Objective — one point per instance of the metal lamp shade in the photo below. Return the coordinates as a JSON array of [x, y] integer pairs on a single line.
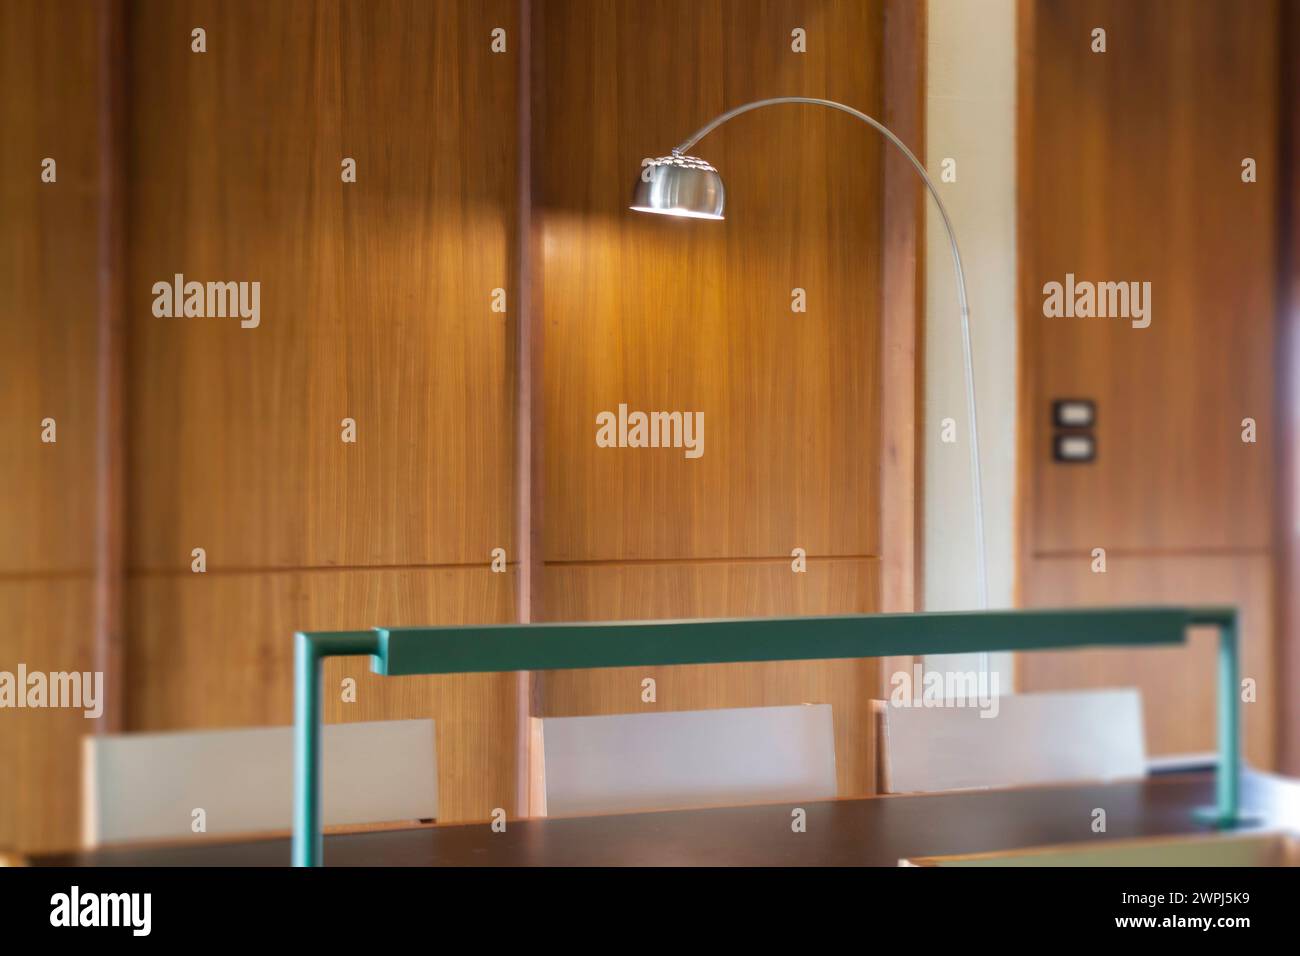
[[679, 186]]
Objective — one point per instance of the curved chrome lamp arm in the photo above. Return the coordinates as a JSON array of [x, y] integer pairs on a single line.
[[981, 572]]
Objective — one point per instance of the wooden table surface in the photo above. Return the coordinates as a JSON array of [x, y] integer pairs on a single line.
[[864, 832]]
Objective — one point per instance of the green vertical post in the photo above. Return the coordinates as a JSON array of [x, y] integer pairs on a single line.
[[1227, 782], [308, 652], [1226, 812], [307, 843]]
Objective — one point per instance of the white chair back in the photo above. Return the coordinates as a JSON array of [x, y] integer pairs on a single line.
[[1061, 737], [676, 759], [149, 786]]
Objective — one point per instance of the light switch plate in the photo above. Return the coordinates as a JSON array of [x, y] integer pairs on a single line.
[[1074, 413], [1074, 449]]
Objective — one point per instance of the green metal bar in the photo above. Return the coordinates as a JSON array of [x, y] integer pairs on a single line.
[[510, 647], [308, 652]]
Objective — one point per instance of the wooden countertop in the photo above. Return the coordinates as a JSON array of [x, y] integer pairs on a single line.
[[862, 832]]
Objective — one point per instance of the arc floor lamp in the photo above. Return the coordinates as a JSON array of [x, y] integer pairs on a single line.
[[684, 185], [681, 185]]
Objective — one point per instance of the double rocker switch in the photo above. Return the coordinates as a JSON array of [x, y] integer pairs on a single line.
[[1074, 419]]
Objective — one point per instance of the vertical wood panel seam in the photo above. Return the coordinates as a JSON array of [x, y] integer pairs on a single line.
[[110, 500], [528, 406], [1287, 525], [902, 229]]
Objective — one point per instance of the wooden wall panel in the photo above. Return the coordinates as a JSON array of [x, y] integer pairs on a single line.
[[664, 314], [217, 650], [49, 253], [1130, 170], [376, 295], [49, 59], [1133, 173]]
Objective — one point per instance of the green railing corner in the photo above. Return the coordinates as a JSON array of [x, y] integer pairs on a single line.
[[308, 652], [514, 647]]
